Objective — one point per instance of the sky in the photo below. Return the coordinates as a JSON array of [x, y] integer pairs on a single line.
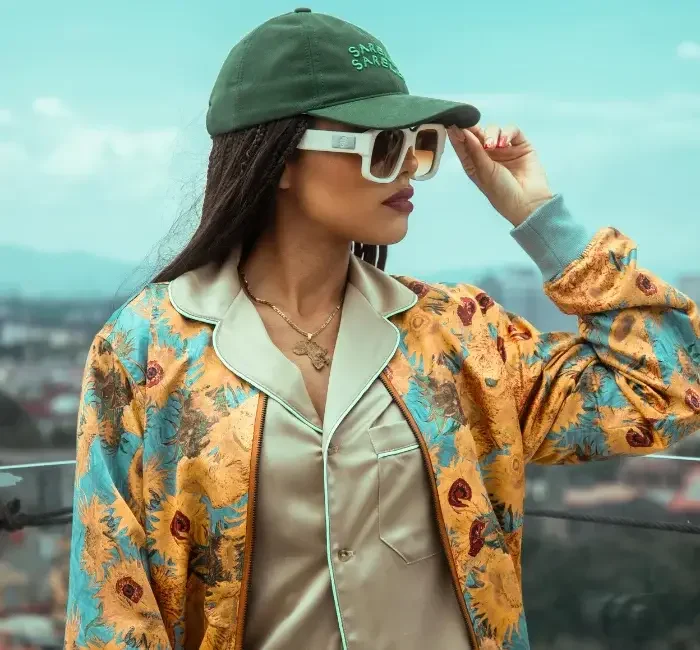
[[102, 107]]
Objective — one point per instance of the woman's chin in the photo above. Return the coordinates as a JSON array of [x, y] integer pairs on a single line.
[[392, 231]]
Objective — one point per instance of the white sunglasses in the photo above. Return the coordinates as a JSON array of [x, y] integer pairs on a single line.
[[383, 151]]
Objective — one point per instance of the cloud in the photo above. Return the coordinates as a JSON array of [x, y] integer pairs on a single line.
[[131, 162], [119, 162], [50, 107], [5, 116], [688, 50], [85, 151], [78, 151]]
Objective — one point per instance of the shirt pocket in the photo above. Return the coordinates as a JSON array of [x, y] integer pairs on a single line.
[[407, 522]]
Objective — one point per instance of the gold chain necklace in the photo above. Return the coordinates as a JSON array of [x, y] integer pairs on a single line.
[[307, 346]]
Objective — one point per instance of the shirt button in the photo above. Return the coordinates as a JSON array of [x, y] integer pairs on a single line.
[[333, 449], [344, 555]]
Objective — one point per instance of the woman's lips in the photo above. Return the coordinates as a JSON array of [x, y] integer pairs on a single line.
[[401, 200]]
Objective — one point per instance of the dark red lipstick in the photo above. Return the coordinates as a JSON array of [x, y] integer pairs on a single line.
[[401, 201]]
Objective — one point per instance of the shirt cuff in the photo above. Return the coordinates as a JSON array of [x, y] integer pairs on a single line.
[[552, 237]]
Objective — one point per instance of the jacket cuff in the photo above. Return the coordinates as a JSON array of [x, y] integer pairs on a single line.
[[552, 237]]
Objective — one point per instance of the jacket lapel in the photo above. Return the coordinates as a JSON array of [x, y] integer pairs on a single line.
[[240, 339], [366, 339]]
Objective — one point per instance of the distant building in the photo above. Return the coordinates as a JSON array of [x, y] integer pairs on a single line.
[[43, 349], [689, 284], [56, 337]]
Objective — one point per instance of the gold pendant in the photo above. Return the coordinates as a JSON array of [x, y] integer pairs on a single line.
[[317, 354]]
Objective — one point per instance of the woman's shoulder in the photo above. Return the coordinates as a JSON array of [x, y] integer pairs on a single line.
[[446, 293], [138, 312], [129, 330]]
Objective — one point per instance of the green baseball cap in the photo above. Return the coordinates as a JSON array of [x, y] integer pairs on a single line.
[[313, 64]]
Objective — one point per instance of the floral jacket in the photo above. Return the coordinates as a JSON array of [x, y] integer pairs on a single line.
[[169, 437]]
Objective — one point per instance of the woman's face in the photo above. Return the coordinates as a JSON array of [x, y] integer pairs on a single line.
[[328, 189]]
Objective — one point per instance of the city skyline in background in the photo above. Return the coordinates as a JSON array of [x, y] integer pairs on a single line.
[[103, 145]]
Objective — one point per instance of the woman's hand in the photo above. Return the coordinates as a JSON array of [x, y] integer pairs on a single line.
[[505, 167]]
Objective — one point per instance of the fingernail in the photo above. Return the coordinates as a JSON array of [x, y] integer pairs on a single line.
[[503, 141], [489, 143], [457, 133]]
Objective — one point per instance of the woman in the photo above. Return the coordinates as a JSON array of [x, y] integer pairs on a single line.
[[281, 446]]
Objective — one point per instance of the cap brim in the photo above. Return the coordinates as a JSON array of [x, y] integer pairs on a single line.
[[399, 111]]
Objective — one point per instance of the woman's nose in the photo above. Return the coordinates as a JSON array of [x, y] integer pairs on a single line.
[[410, 163]]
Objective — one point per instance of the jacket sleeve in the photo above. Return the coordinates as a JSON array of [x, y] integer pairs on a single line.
[[629, 382], [110, 600]]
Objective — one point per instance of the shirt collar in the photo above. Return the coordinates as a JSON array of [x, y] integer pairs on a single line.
[[206, 293]]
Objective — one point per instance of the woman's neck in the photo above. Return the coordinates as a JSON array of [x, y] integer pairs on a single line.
[[299, 270]]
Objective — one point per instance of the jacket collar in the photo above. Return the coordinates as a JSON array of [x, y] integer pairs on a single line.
[[366, 339], [206, 293]]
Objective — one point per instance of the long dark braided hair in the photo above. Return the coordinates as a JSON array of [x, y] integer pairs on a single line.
[[239, 198]]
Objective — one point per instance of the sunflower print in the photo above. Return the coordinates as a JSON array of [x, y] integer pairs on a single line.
[[98, 543], [496, 599], [176, 524], [88, 430], [161, 373], [423, 327], [131, 602], [165, 442]]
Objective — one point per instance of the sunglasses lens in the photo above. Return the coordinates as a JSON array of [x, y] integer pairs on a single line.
[[386, 152], [426, 151]]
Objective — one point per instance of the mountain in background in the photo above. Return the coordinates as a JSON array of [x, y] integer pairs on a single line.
[[29, 273]]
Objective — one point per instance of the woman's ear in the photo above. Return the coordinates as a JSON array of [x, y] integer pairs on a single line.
[[286, 178]]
